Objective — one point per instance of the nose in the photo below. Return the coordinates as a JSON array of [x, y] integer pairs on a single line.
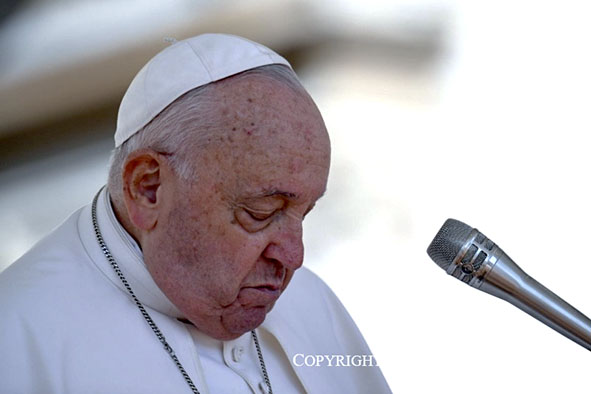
[[286, 245]]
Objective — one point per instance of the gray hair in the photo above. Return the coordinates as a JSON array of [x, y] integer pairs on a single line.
[[179, 128]]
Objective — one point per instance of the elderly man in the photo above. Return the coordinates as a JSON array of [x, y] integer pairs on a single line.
[[170, 281]]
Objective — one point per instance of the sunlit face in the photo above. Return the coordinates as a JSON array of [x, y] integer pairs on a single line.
[[227, 245]]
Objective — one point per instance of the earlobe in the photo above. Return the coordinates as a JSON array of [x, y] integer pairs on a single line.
[[141, 186]]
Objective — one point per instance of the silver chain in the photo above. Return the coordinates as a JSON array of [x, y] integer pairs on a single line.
[[262, 362], [148, 318]]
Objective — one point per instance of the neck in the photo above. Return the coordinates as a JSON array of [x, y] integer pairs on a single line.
[[123, 218]]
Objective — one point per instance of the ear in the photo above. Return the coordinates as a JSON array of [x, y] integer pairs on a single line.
[[142, 188]]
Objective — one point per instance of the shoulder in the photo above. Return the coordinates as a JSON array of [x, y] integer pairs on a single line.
[[305, 281], [308, 293], [45, 259], [310, 304], [51, 272], [309, 320]]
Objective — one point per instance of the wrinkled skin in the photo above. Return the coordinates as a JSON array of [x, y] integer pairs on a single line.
[[224, 247]]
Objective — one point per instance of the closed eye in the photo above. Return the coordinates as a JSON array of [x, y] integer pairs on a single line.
[[259, 215], [253, 220]]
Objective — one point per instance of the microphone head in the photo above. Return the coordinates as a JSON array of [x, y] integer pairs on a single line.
[[448, 242]]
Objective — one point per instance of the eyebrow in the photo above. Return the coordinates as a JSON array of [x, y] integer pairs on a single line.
[[275, 192], [286, 194]]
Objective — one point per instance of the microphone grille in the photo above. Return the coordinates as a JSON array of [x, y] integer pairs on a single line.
[[448, 242]]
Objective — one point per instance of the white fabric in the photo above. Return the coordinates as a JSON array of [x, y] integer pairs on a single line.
[[68, 326], [184, 66], [233, 366]]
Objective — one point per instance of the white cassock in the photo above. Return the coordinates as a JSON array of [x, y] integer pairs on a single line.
[[67, 325]]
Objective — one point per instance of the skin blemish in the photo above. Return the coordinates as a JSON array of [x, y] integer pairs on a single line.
[[295, 166], [233, 128], [308, 135], [250, 100]]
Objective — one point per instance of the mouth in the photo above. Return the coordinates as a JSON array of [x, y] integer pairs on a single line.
[[260, 295], [271, 290]]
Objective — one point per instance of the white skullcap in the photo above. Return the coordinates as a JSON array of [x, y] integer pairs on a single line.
[[181, 67]]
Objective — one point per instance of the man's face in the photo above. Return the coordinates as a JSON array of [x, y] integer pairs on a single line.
[[226, 245]]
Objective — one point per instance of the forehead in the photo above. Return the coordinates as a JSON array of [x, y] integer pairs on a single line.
[[261, 97], [268, 138]]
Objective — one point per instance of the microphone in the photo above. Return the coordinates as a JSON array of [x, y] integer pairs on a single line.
[[465, 253]]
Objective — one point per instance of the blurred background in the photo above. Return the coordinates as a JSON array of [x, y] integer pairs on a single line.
[[474, 110]]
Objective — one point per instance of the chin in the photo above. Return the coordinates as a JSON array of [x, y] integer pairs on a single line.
[[244, 321]]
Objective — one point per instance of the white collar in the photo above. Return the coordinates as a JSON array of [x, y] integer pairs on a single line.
[[126, 253]]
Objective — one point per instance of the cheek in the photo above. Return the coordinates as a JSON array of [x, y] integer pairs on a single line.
[[207, 247], [240, 252], [222, 253]]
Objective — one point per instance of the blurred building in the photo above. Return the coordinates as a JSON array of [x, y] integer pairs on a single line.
[[436, 109]]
